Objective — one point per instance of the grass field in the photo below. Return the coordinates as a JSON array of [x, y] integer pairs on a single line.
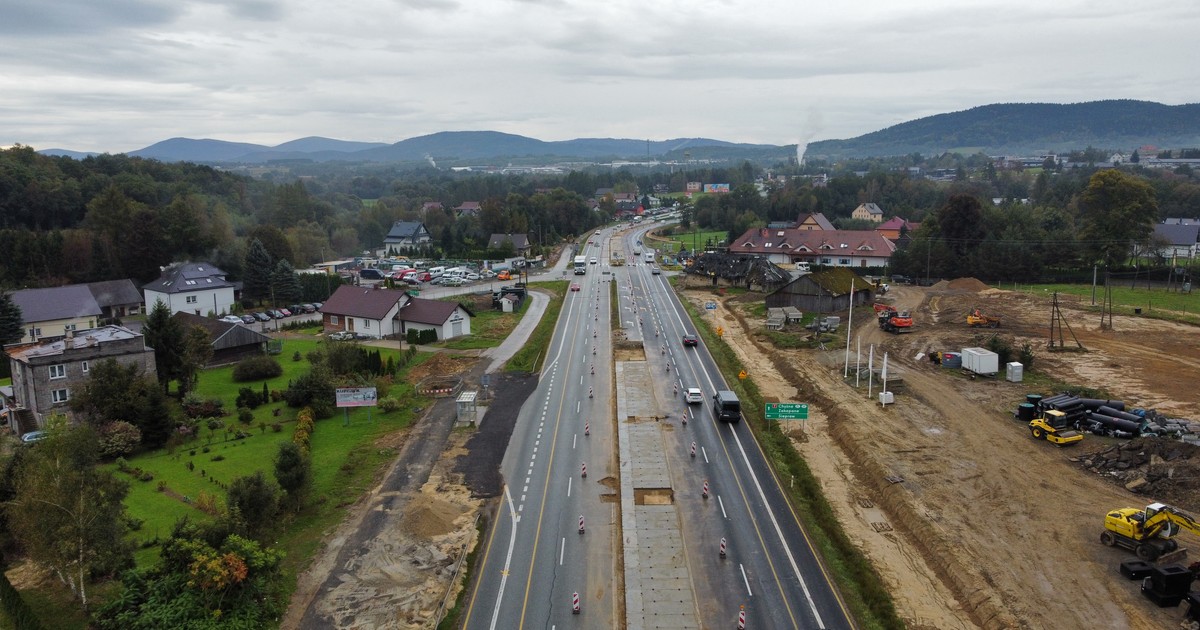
[[531, 356], [1155, 302], [488, 328], [342, 460]]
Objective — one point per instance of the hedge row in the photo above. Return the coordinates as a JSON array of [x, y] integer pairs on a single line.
[[302, 435]]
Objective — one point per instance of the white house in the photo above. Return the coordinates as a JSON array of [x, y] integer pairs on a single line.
[[196, 288], [837, 248], [382, 313], [449, 319]]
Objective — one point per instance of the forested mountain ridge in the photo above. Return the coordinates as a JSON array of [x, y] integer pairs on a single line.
[[1028, 128]]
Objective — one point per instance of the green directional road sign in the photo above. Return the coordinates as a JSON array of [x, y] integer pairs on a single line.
[[787, 411]]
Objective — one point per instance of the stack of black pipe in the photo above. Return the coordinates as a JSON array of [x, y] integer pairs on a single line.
[[1072, 407]]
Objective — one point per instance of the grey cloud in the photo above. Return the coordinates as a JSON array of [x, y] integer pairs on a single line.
[[259, 10], [430, 5], [35, 18]]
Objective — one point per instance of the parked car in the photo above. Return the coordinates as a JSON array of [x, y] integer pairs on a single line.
[[231, 319], [691, 340], [276, 313], [452, 281], [308, 308], [471, 277], [261, 316], [341, 335], [318, 305], [287, 312], [33, 436], [487, 273], [248, 319]]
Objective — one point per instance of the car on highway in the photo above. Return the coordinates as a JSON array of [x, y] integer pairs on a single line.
[[693, 396], [691, 340], [655, 270], [231, 319], [594, 261], [574, 286]]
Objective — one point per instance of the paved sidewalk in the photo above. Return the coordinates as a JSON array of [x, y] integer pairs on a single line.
[[520, 335]]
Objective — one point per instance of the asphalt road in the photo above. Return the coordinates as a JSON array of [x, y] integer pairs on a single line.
[[770, 566], [535, 558]]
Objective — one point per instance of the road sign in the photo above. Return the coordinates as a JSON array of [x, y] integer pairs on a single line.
[[720, 331], [742, 375], [787, 411], [711, 306]]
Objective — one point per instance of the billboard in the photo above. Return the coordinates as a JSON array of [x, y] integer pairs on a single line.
[[356, 397], [716, 188]]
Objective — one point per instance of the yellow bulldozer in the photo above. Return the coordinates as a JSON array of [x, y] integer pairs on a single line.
[[978, 319], [1149, 533], [1053, 427]]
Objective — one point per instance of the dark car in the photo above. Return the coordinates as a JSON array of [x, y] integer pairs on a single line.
[[691, 340], [318, 305], [274, 313], [248, 319], [308, 308], [261, 316]]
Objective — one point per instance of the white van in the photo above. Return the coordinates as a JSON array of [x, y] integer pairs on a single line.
[[436, 272]]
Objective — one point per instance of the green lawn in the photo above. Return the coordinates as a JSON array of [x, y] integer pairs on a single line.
[[531, 356], [342, 457], [688, 238], [488, 328]]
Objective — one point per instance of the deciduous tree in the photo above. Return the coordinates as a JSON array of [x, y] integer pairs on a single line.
[[165, 335], [1115, 210]]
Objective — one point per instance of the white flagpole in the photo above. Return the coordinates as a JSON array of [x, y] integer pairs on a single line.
[[858, 363], [871, 372], [883, 375], [849, 325]]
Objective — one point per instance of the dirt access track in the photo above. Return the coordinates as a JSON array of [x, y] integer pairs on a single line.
[[979, 525]]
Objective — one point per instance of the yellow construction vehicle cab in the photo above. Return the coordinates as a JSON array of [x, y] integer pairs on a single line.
[[1054, 428], [977, 318], [1150, 532]]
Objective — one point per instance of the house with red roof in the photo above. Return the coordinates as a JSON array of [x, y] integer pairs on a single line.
[[836, 248], [891, 228], [384, 313]]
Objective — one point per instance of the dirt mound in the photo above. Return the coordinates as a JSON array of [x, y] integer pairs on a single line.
[[960, 284], [428, 516], [1164, 469], [440, 365]]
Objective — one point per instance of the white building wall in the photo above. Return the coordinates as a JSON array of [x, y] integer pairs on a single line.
[[201, 302]]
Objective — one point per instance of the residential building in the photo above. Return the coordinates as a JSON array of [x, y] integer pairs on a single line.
[[1177, 240], [827, 291], [381, 313], [869, 211], [837, 248], [46, 373], [449, 319], [891, 228], [406, 235], [57, 311], [116, 298], [693, 187], [467, 208], [197, 288], [230, 342], [519, 242], [814, 221], [431, 206], [370, 312]]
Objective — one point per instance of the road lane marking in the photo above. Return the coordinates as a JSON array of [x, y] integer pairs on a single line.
[[512, 539], [562, 548], [573, 438], [747, 582], [569, 480], [722, 507], [704, 453]]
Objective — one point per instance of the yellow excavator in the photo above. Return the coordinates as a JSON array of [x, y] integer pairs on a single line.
[[1149, 533]]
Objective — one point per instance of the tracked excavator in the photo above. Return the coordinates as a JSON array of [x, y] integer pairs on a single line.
[[1149, 533], [893, 321]]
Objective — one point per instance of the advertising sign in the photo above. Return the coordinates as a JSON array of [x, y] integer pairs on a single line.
[[356, 397], [716, 188]]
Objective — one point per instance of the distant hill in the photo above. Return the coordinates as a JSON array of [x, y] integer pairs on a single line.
[[76, 155], [1027, 128], [189, 150]]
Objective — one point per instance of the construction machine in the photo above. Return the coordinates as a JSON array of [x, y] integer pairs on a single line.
[[1054, 427], [977, 319], [893, 321], [1149, 533]]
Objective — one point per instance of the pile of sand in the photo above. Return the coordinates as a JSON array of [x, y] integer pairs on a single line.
[[960, 284], [428, 516], [440, 365]]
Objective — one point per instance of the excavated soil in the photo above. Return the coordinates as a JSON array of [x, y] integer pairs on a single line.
[[970, 521]]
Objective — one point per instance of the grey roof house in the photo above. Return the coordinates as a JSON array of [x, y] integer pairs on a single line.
[[117, 298], [197, 288], [1177, 240], [520, 242], [406, 235], [55, 311]]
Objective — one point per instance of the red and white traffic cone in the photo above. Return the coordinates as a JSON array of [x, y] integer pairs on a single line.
[[741, 618], [590, 393], [587, 428], [722, 547], [674, 390], [581, 531], [693, 449], [575, 604], [685, 418], [705, 494], [583, 470]]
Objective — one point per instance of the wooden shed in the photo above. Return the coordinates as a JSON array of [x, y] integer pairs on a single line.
[[230, 342], [827, 291]]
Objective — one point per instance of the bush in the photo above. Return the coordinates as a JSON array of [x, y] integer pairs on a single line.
[[1026, 355], [277, 427], [196, 407], [256, 368], [412, 336], [218, 458], [245, 416], [248, 399], [119, 438], [387, 405], [296, 356]]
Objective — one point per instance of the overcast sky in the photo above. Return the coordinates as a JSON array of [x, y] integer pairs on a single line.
[[118, 75]]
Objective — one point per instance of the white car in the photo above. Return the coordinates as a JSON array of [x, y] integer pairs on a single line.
[[594, 261], [471, 277], [693, 396], [231, 319]]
